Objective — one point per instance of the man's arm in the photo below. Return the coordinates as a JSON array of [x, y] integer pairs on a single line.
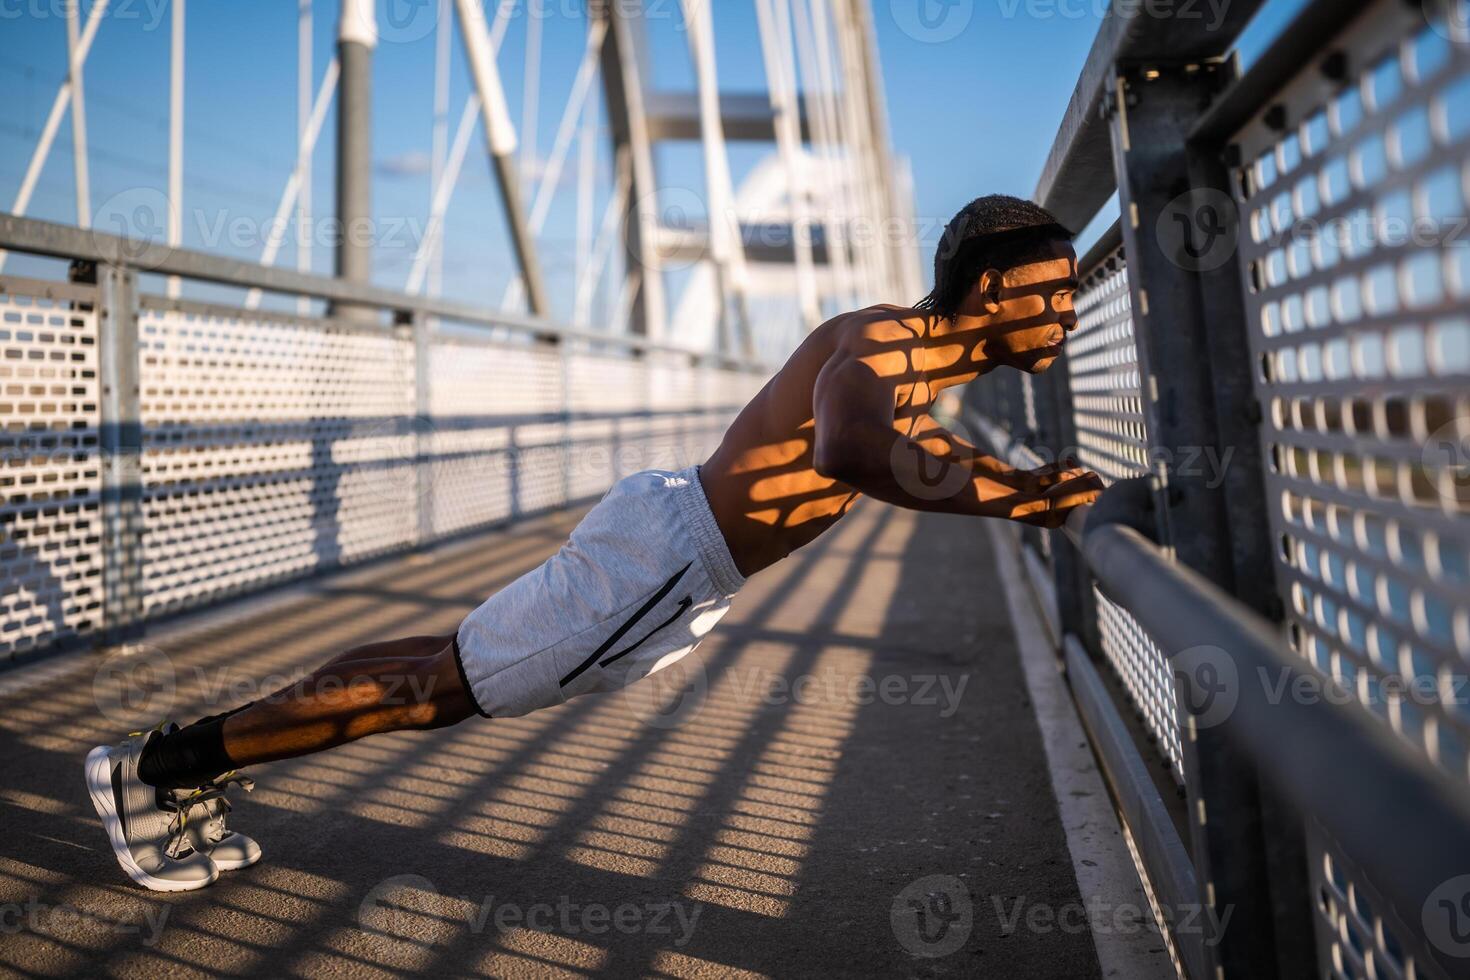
[[951, 446], [857, 444]]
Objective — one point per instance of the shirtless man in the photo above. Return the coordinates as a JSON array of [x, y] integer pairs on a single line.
[[652, 568]]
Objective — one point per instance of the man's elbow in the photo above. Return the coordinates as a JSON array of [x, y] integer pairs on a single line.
[[844, 462]]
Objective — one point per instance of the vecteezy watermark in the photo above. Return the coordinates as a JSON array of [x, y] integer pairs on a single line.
[[932, 21], [1201, 229], [403, 458], [933, 917], [1446, 917], [139, 683], [76, 924], [1097, 916], [1210, 13], [1213, 684], [132, 228], [150, 12], [410, 905], [832, 687]]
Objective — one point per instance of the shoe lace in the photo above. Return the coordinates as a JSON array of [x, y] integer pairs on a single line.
[[211, 796]]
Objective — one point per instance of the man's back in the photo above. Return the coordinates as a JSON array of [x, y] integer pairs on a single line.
[[763, 483]]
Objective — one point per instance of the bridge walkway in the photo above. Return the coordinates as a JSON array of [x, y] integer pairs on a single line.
[[859, 722]]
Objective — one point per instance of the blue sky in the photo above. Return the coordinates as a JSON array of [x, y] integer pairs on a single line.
[[974, 92]]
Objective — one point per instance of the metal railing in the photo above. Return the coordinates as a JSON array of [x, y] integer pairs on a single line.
[[160, 454], [1273, 356]]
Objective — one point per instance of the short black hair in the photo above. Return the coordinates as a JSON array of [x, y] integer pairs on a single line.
[[994, 232]]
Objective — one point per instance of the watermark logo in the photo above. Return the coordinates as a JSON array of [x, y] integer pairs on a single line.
[[1450, 19], [396, 906], [1212, 684], [403, 473], [933, 917], [683, 225], [1446, 458], [932, 21], [406, 21], [134, 683], [1446, 917], [131, 228], [922, 474], [1198, 231], [671, 696]]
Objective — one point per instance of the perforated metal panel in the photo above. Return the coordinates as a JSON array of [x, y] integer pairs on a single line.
[[1363, 937], [1112, 439], [271, 448], [1357, 278], [50, 470], [1146, 674], [496, 430], [1363, 362], [1103, 361]]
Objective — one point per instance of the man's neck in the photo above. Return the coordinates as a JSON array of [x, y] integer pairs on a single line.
[[956, 350]]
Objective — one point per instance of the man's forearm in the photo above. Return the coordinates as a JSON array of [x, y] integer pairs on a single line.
[[901, 471]]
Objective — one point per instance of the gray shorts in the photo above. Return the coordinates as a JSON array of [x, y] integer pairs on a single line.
[[641, 581]]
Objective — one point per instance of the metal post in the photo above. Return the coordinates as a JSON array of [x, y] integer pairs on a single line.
[[500, 140], [356, 37], [176, 138], [304, 229], [1153, 111], [79, 112], [421, 327], [122, 446], [623, 87], [1222, 319], [1057, 430]]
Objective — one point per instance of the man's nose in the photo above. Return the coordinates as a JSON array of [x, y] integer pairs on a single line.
[[1068, 320]]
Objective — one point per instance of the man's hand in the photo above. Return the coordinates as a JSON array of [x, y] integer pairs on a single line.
[[1043, 478], [1045, 508]]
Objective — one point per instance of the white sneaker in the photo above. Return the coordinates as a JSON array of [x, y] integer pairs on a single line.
[[148, 835]]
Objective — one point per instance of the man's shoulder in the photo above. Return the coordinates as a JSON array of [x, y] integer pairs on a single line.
[[877, 324]]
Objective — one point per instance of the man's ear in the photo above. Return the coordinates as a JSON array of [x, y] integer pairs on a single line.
[[988, 287]]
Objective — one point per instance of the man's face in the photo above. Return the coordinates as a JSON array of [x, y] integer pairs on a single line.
[[1035, 316]]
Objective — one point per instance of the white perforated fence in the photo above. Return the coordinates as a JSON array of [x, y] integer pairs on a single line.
[[51, 477], [1112, 440], [276, 446], [1357, 276], [1102, 361]]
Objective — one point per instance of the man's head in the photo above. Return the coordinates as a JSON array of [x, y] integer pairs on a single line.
[[1011, 263]]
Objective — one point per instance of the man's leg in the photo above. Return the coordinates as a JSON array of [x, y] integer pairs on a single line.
[[160, 795], [408, 684]]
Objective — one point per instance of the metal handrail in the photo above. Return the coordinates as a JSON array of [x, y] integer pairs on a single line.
[[67, 242], [1078, 177], [1316, 751]]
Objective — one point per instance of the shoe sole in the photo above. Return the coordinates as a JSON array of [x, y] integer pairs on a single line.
[[233, 865], [99, 785]]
